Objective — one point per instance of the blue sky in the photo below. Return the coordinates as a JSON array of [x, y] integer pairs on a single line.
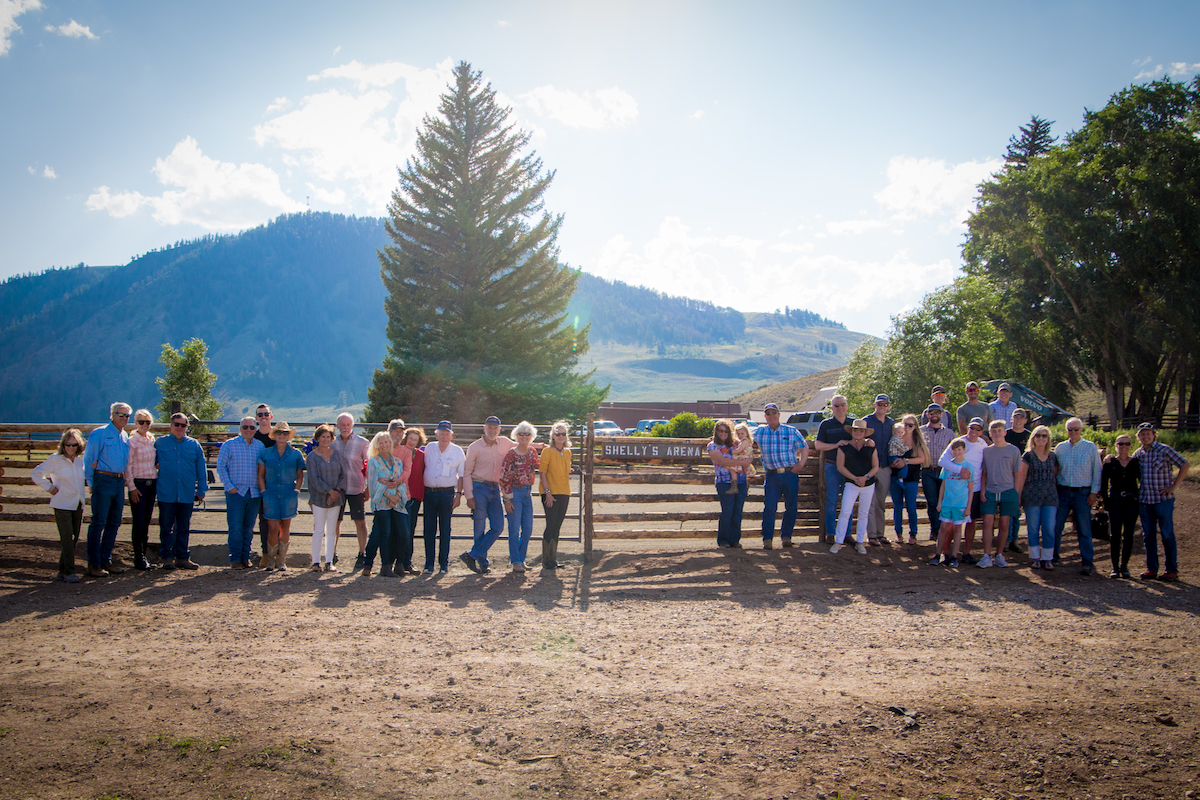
[[814, 155]]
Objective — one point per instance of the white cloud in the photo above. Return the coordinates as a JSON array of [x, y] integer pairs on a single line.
[[355, 135], [278, 104], [503, 23], [1143, 62], [1180, 68], [920, 187], [1154, 72], [334, 198], [9, 11], [337, 50], [698, 113], [49, 172], [212, 194], [73, 30], [603, 108], [1176, 69], [856, 226]]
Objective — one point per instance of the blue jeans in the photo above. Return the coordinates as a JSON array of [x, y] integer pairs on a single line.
[[904, 494], [240, 513], [834, 481], [1040, 524], [1074, 499], [389, 528], [413, 507], [1014, 526], [174, 529], [439, 505], [520, 524], [1156, 518], [108, 501], [780, 484], [489, 511], [931, 487], [729, 526]]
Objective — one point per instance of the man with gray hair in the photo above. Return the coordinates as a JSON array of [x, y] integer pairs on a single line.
[[237, 467], [833, 433], [1079, 471], [353, 449], [104, 462], [481, 483]]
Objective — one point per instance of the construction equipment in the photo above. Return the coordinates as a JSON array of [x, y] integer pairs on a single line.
[[1047, 412]]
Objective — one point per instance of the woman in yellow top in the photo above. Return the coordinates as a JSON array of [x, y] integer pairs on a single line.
[[554, 477]]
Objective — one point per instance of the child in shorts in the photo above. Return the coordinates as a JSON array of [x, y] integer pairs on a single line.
[[743, 449], [953, 501]]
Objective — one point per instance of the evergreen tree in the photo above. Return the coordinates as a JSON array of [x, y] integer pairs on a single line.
[[477, 298], [1035, 139]]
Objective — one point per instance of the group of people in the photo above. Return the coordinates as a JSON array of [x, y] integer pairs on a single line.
[[978, 476], [263, 474]]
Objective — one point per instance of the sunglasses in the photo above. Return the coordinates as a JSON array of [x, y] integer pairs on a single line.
[[560, 434], [1124, 444], [909, 425], [261, 414], [1041, 436], [179, 424], [70, 444], [119, 414], [249, 427], [519, 435], [1074, 430], [143, 422]]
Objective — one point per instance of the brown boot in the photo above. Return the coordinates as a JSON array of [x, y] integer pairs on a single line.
[[269, 559], [281, 556], [265, 563]]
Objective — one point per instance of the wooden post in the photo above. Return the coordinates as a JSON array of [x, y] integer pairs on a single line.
[[589, 460], [821, 498]]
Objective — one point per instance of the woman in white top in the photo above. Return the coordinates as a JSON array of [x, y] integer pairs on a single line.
[[62, 476]]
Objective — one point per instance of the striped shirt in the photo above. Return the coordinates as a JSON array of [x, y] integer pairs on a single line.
[[237, 465], [1079, 465], [778, 446], [1156, 471], [937, 440]]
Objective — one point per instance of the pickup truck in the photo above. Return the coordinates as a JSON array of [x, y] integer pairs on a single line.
[[645, 426], [606, 427], [807, 422]]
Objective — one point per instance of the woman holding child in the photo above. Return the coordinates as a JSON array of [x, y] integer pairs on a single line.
[[908, 454], [729, 473], [1037, 484]]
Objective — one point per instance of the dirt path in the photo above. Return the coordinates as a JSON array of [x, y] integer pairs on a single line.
[[654, 673]]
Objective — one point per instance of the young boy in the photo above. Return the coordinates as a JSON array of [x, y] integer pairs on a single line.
[[953, 499], [1018, 437], [998, 486]]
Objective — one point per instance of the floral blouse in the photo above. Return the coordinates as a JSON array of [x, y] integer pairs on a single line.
[[518, 470]]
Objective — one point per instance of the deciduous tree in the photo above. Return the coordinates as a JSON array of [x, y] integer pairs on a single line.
[[188, 381]]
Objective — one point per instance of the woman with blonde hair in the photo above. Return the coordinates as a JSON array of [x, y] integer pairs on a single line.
[[1037, 485], [62, 476], [908, 454], [280, 476], [389, 525], [554, 477], [141, 479]]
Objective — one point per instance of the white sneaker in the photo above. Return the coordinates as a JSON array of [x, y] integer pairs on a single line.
[[518, 567], [999, 560], [985, 562], [860, 549], [835, 548]]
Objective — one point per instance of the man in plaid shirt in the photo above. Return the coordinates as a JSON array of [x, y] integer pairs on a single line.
[[784, 453], [1157, 500]]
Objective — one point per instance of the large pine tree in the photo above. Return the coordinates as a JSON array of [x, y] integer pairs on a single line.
[[477, 297]]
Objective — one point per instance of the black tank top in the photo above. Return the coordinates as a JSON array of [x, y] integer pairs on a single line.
[[858, 462]]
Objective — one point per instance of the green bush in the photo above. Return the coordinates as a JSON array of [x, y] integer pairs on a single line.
[[686, 426]]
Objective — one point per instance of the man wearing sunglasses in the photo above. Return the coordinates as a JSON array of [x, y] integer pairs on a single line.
[[262, 433], [1157, 498], [1079, 472], [237, 467], [104, 462], [182, 481]]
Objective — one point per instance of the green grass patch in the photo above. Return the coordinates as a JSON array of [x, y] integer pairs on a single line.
[[185, 745], [555, 642]]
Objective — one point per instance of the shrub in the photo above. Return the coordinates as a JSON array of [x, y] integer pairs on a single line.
[[686, 426]]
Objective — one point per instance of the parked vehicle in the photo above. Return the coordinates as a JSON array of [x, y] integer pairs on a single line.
[[645, 426], [606, 427], [807, 422]]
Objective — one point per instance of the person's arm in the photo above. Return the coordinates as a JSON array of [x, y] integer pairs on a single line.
[[508, 475], [41, 476], [91, 455], [941, 495], [1022, 473], [1106, 479], [262, 476], [841, 465], [468, 490], [1095, 477], [223, 468], [201, 471], [300, 474], [946, 462], [874, 464], [983, 476], [801, 455]]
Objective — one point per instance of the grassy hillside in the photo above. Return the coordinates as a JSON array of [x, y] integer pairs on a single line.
[[790, 394]]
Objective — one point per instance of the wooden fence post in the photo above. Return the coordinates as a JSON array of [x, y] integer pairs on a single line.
[[589, 459]]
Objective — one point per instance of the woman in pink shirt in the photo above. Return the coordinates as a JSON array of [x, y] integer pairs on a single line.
[[141, 479]]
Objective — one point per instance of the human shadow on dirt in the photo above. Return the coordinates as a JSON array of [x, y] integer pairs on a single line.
[[806, 576]]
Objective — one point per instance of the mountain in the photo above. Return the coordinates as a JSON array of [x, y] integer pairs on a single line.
[[292, 312]]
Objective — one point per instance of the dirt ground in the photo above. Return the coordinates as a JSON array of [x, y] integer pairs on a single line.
[[663, 669]]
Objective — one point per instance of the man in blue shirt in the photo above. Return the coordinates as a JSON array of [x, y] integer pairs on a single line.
[[237, 467], [104, 462], [881, 434], [784, 453], [182, 480], [1078, 487]]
